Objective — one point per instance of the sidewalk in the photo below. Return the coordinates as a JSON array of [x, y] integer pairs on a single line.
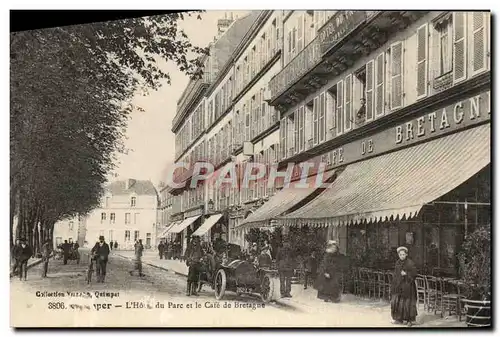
[[307, 298], [31, 263]]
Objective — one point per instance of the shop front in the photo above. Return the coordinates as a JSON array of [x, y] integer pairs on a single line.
[[422, 182]]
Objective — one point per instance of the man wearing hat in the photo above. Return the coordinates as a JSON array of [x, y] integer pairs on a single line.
[[46, 250], [23, 253], [286, 265], [101, 253], [194, 254]]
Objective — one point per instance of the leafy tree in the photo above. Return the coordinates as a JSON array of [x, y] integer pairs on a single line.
[[71, 89]]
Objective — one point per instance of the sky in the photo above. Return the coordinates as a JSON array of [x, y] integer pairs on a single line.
[[149, 138]]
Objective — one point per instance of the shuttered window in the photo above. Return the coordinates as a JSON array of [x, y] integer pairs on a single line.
[[479, 42], [422, 60], [459, 44], [340, 108], [300, 33], [369, 98], [322, 120], [247, 122], [379, 85], [301, 128], [283, 126], [296, 130], [396, 75], [348, 103], [330, 114], [315, 120]]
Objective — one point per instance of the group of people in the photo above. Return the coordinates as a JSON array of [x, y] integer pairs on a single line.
[[21, 252], [67, 248], [170, 250], [113, 245]]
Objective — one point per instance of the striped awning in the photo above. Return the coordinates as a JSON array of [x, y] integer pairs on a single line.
[[209, 222], [165, 231], [183, 225], [397, 184], [284, 200]]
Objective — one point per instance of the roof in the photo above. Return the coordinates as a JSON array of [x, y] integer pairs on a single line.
[[139, 187], [227, 42]]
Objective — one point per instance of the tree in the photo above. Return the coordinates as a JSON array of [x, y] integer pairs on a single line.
[[71, 89]]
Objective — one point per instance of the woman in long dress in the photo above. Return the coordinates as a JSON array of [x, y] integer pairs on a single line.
[[330, 273], [404, 293]]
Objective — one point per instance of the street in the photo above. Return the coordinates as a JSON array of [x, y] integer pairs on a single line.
[[158, 299]]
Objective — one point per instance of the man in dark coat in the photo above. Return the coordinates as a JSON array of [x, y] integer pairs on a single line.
[[101, 253], [24, 253], [161, 249], [15, 254], [403, 289], [66, 247], [286, 265], [116, 245], [330, 273], [193, 258], [111, 244], [46, 250], [310, 268], [265, 260]]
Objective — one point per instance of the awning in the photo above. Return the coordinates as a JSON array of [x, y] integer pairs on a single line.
[[164, 233], [209, 222], [397, 184], [183, 225], [283, 201]]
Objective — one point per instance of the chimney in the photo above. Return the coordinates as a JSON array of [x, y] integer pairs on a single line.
[[129, 183]]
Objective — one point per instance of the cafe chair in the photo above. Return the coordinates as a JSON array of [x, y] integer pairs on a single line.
[[421, 290], [433, 294], [451, 299], [388, 284]]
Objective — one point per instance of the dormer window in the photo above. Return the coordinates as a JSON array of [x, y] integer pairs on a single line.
[[132, 202]]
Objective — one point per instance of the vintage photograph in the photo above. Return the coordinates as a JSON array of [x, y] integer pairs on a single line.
[[260, 168]]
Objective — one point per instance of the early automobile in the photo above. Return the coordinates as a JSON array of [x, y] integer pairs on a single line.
[[243, 277]]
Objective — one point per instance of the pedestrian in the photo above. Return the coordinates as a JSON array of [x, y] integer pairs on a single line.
[[24, 253], [403, 290], [310, 269], [66, 247], [265, 259], [46, 250], [330, 273], [111, 244], [161, 249], [116, 245], [138, 251], [285, 262], [15, 256], [101, 251], [193, 258]]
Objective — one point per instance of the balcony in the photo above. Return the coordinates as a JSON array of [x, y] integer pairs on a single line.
[[295, 69], [342, 40], [190, 97]]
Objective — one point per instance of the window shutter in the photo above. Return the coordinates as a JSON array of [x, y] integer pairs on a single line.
[[479, 42], [316, 20], [396, 75], [348, 103], [315, 120], [322, 124], [330, 113], [459, 47], [301, 128], [369, 90], [282, 138], [300, 33], [308, 126], [340, 110], [422, 60], [296, 130]]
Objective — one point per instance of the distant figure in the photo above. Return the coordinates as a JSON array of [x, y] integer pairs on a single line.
[[285, 268], [111, 244], [161, 249], [265, 259], [116, 245], [101, 252], [330, 273], [46, 250], [139, 248], [66, 247], [15, 254], [310, 268], [24, 253]]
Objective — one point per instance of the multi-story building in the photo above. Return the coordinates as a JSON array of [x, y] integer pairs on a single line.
[[190, 124], [164, 211], [397, 106], [127, 213]]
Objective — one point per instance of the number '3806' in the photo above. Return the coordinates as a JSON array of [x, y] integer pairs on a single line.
[[56, 305]]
